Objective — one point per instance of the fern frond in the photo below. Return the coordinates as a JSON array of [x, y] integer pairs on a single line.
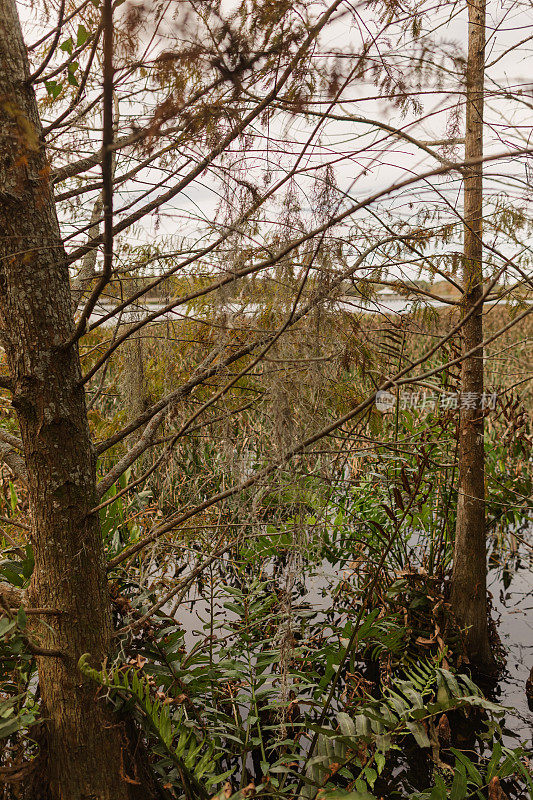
[[186, 753]]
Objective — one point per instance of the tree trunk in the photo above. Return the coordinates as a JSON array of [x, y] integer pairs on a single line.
[[469, 581], [133, 384], [85, 744]]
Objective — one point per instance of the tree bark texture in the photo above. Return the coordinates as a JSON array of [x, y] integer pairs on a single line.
[[469, 582], [85, 743]]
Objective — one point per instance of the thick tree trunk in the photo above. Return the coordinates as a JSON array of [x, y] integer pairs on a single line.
[[469, 582], [85, 745]]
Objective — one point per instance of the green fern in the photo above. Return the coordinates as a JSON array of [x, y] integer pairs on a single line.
[[186, 754], [470, 778], [424, 692]]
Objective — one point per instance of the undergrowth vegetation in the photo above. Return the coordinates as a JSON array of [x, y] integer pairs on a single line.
[[293, 640]]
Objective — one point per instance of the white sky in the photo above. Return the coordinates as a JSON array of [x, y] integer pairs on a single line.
[[365, 158]]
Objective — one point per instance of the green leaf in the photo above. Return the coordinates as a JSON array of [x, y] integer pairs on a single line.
[[459, 789], [379, 758], [9, 726], [362, 725], [6, 625], [21, 618], [439, 791], [53, 88], [67, 46], [13, 499], [338, 794], [451, 681], [419, 732], [492, 766], [472, 770], [346, 724], [82, 35], [71, 78], [370, 776]]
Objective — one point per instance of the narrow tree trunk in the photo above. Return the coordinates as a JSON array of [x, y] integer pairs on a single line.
[[85, 744], [133, 385], [469, 582]]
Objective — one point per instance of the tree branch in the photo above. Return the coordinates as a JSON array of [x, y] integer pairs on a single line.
[[52, 48], [271, 261], [86, 274], [9, 445], [202, 165], [397, 380], [107, 170], [132, 455]]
